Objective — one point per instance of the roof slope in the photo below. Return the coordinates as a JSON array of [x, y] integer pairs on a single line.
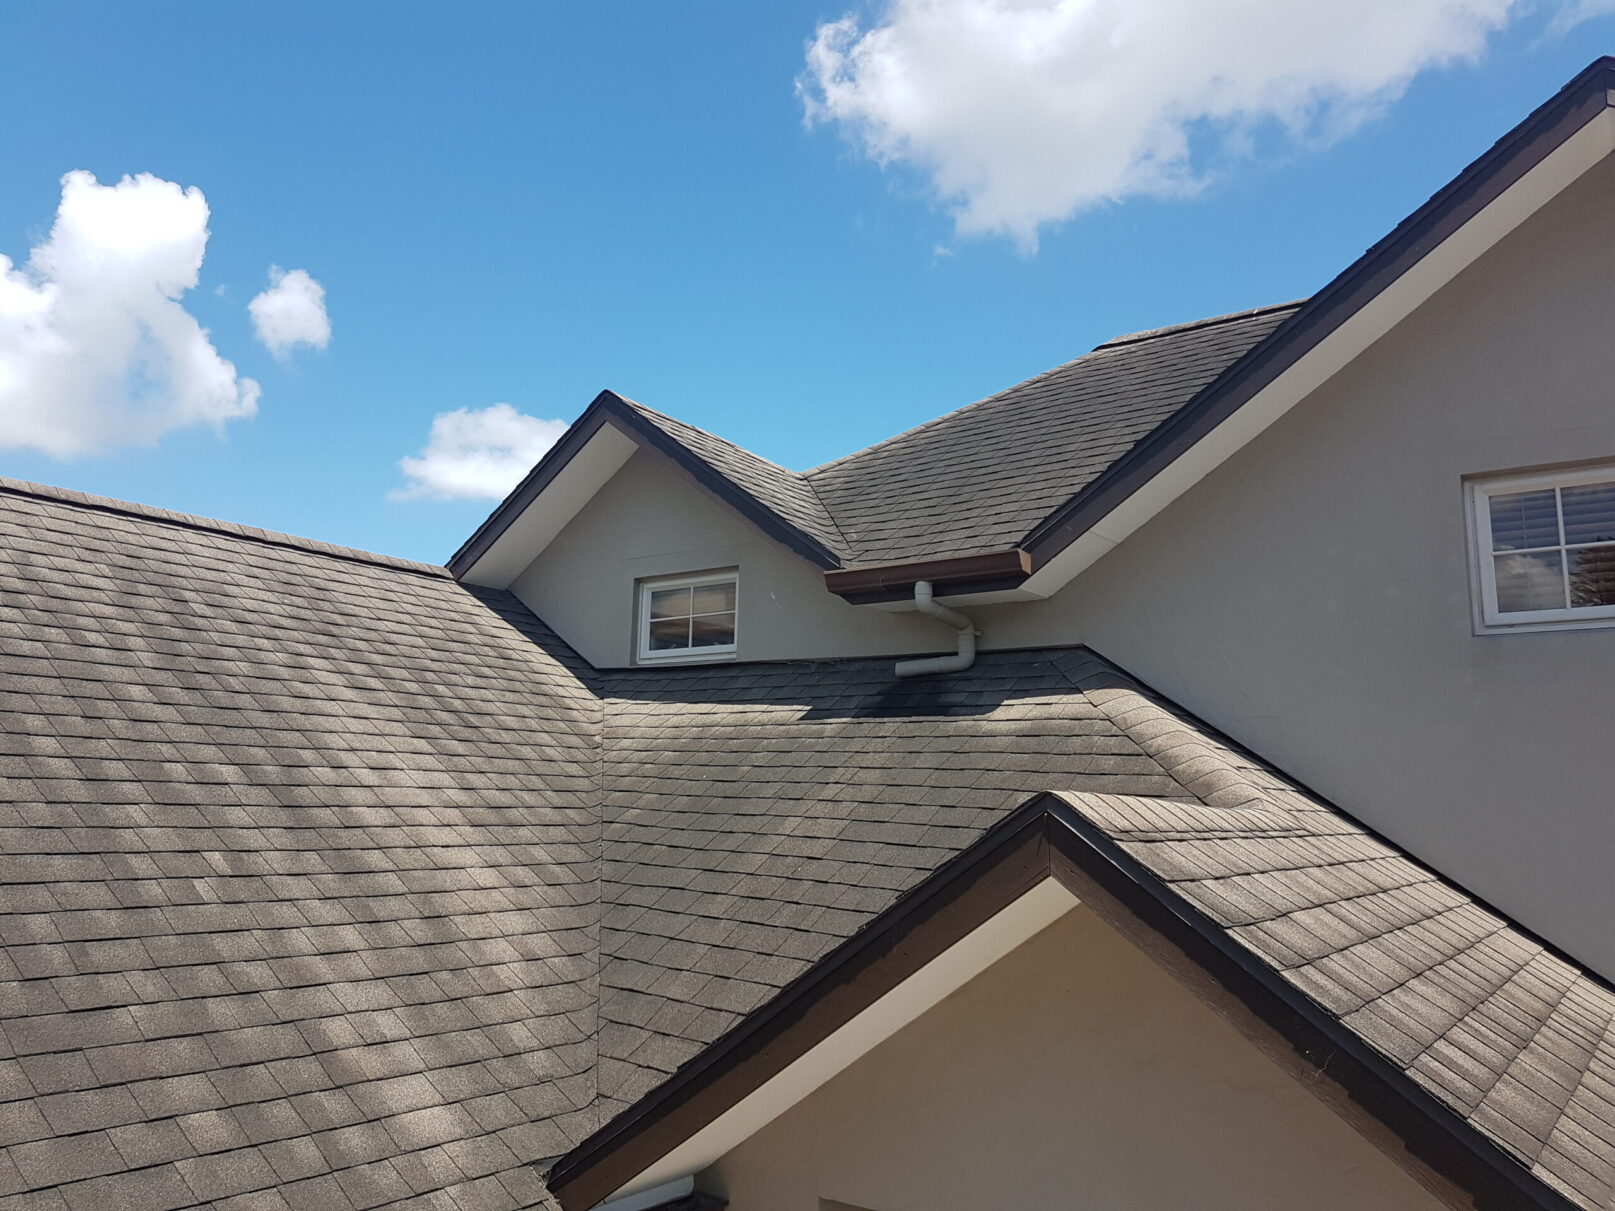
[[786, 493], [975, 481], [299, 865], [979, 479], [330, 882], [1510, 1037], [756, 816], [1485, 1027]]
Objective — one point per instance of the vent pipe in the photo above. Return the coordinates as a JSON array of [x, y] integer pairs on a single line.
[[925, 603]]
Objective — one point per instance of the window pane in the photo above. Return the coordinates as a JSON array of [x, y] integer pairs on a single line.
[[713, 598], [670, 603], [1529, 582], [1589, 513], [669, 633], [1592, 576], [712, 629], [1524, 519]]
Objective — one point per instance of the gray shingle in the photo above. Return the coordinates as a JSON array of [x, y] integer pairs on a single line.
[[332, 883]]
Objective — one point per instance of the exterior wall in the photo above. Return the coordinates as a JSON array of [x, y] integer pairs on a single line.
[[652, 520], [1312, 597], [1073, 1073]]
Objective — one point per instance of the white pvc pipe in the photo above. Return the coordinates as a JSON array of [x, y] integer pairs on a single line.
[[925, 603]]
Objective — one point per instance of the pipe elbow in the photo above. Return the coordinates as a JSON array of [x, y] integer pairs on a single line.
[[925, 603]]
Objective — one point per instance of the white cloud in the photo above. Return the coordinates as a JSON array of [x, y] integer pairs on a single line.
[[96, 350], [477, 455], [1022, 113], [291, 312]]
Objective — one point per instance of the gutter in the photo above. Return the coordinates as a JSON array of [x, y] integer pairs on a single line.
[[871, 583]]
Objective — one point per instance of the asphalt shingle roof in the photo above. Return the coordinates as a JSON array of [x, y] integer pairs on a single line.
[[1515, 1039], [299, 853], [981, 478], [330, 882]]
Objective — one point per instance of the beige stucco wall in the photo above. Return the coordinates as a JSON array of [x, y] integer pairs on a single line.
[[1312, 596], [1075, 1073], [652, 520]]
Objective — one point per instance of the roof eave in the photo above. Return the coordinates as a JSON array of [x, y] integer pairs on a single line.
[[1099, 506], [610, 408], [1046, 838], [992, 572]]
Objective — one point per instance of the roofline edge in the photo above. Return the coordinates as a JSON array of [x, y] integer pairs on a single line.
[[1485, 179], [1045, 837], [609, 406]]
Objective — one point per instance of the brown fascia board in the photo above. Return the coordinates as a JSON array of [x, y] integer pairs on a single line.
[[1510, 158], [1046, 838], [609, 406], [958, 574]]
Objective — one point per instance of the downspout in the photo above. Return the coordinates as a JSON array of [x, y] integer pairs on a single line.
[[926, 604]]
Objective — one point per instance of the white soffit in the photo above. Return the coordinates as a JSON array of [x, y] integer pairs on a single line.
[[536, 526], [952, 969], [1556, 171]]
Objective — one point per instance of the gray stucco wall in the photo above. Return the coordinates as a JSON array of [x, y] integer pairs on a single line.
[[1312, 597], [652, 520], [1072, 1073]]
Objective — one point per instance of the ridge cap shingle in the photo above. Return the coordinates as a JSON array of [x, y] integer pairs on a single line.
[[213, 525]]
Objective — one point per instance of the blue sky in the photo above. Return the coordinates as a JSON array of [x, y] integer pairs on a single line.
[[527, 203]]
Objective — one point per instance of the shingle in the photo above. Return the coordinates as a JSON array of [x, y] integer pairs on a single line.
[[375, 891]]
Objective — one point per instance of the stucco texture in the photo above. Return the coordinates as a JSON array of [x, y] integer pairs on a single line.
[[1075, 1072], [1312, 597]]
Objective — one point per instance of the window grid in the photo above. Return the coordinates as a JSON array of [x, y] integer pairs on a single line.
[[688, 617], [1515, 561]]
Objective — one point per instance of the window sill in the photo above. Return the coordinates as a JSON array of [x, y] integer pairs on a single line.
[[1490, 629], [651, 662]]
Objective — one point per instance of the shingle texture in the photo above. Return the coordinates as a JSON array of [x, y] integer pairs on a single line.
[[331, 883], [755, 816], [300, 864], [980, 479], [1515, 1039], [786, 494]]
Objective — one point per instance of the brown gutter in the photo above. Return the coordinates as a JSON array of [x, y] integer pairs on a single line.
[[958, 574]]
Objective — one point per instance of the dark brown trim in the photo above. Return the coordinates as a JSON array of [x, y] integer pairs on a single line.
[[609, 406], [1002, 866], [1510, 158], [1043, 838], [894, 581], [1427, 1128]]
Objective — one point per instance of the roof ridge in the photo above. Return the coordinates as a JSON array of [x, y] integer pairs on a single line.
[[229, 529], [734, 445], [796, 476], [1211, 321], [1113, 342]]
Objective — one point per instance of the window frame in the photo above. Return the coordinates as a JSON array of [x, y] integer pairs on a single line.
[[645, 654], [1478, 493]]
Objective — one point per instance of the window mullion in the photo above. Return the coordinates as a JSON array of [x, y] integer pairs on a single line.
[[1564, 555]]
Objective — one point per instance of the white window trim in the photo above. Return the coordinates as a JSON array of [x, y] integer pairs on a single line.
[[716, 651], [1488, 619]]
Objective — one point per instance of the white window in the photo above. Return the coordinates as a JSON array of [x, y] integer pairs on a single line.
[[1545, 548], [688, 617]]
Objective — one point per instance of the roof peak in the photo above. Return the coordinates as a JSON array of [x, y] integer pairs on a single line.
[[228, 529]]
